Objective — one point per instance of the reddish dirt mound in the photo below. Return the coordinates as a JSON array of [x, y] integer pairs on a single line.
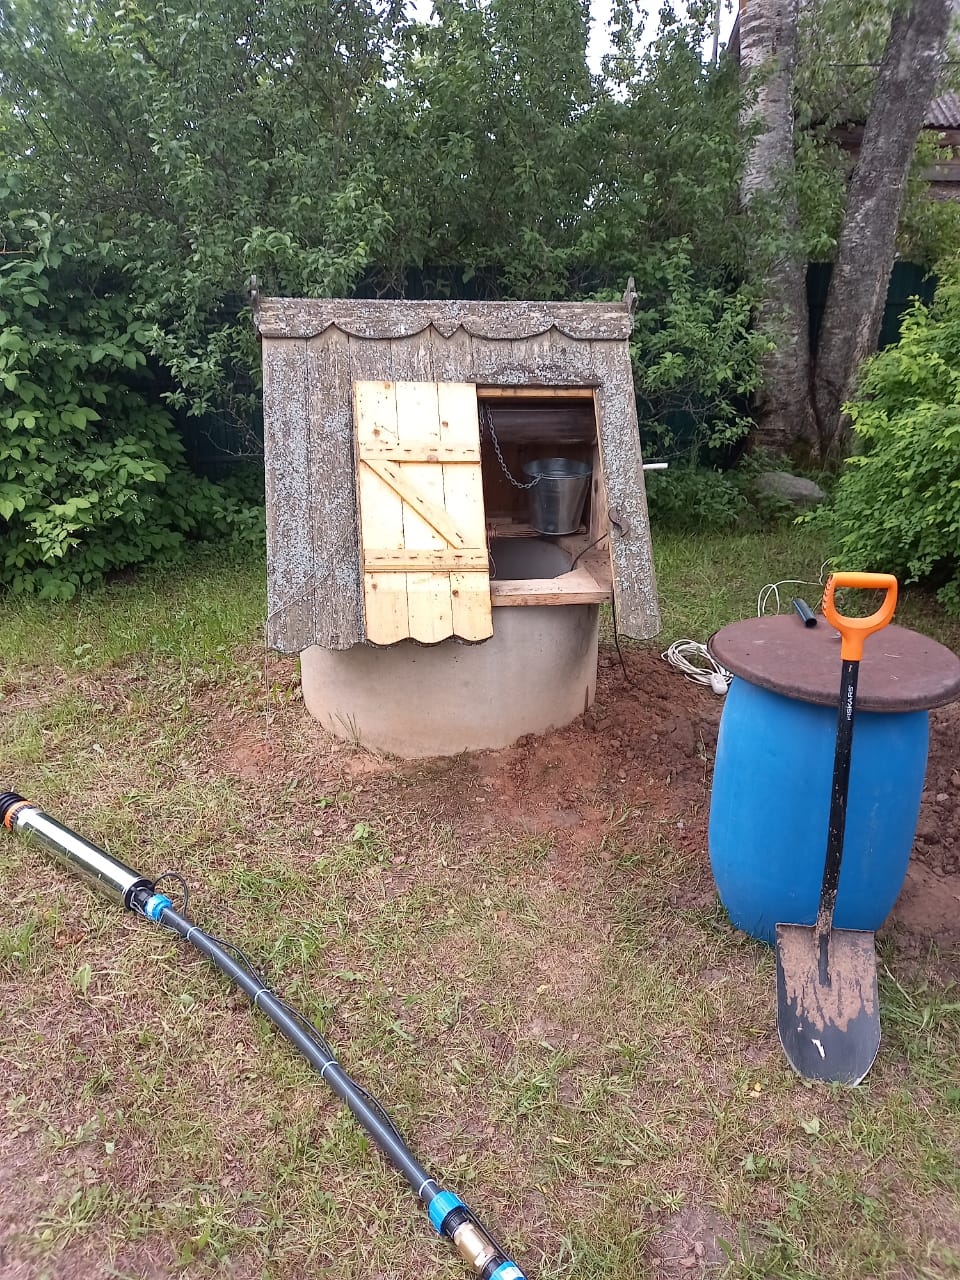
[[648, 744], [643, 756]]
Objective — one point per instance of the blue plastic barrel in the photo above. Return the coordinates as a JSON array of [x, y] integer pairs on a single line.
[[771, 802]]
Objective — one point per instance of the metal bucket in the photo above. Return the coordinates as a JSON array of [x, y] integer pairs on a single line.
[[557, 499]]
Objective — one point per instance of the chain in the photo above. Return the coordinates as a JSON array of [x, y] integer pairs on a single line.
[[486, 421]]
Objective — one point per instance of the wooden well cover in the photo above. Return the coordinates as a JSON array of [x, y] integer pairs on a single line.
[[423, 543]]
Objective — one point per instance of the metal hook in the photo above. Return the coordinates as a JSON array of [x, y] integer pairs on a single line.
[[618, 523]]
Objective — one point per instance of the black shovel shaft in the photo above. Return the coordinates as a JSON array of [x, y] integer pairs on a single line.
[[838, 798]]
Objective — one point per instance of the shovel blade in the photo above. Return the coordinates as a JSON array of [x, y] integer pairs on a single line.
[[829, 1022]]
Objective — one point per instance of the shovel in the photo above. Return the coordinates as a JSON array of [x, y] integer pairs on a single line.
[[828, 1013]]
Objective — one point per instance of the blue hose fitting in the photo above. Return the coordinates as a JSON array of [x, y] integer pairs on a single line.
[[156, 903], [441, 1204], [508, 1271]]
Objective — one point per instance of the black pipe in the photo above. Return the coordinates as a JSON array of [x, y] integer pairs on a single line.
[[448, 1213], [330, 1069], [805, 612]]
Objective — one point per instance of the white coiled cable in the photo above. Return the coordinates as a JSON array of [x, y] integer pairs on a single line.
[[695, 661]]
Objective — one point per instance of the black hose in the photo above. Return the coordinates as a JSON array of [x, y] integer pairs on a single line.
[[383, 1134], [447, 1212]]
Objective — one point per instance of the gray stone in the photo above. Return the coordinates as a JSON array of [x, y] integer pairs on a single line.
[[795, 489]]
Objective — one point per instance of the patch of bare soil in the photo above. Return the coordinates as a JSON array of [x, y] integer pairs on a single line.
[[929, 904], [689, 1244], [645, 749]]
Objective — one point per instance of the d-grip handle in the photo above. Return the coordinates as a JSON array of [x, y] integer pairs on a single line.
[[854, 631]]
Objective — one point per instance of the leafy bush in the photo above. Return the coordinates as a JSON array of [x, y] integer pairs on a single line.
[[694, 499], [897, 504], [92, 475], [374, 152], [696, 360]]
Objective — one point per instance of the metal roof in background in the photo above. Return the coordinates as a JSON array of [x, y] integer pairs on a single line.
[[944, 112]]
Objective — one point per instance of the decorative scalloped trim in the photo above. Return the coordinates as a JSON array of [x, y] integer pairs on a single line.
[[384, 321]]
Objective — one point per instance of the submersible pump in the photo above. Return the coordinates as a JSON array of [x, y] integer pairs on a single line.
[[450, 1216]]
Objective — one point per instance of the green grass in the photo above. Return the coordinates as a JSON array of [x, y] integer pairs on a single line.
[[592, 1062], [194, 616], [706, 582]]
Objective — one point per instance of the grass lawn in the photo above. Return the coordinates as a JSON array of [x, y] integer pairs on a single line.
[[520, 953]]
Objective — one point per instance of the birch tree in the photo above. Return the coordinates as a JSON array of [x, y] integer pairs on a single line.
[[768, 55], [909, 73], [800, 406]]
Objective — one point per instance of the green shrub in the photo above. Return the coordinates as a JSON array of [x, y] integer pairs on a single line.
[[696, 359], [694, 499], [92, 475], [897, 504]]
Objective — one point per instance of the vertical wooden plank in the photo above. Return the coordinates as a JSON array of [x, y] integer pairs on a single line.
[[493, 361], [428, 594], [381, 514], [599, 506], [290, 560], [332, 511], [452, 357], [463, 487], [412, 362], [371, 359], [631, 552], [412, 358]]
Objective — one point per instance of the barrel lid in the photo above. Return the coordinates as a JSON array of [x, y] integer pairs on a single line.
[[901, 669]]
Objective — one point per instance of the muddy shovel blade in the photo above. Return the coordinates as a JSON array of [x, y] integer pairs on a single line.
[[828, 1016]]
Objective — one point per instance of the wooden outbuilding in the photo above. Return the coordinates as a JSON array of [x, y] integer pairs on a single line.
[[395, 436]]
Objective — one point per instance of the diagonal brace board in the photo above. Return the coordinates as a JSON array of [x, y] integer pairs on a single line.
[[436, 517], [422, 528]]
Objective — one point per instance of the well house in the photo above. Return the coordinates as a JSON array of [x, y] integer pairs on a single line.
[[410, 560]]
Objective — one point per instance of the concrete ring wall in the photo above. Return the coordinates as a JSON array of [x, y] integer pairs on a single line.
[[538, 672]]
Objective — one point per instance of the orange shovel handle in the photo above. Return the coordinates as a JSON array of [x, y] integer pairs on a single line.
[[854, 631]]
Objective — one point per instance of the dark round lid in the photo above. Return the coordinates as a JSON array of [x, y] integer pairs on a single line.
[[901, 669]]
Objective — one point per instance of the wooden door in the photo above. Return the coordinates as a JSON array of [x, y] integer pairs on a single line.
[[423, 544]]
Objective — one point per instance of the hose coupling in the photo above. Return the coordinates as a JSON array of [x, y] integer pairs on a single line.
[[154, 905], [10, 805], [451, 1218]]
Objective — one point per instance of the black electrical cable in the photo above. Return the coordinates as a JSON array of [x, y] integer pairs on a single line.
[[257, 976], [308, 1028], [312, 1034], [588, 547], [447, 1212], [616, 641], [242, 972]]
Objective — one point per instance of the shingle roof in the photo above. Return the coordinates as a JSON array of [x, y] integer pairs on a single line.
[[386, 321]]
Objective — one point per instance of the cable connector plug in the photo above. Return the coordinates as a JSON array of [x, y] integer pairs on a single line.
[[698, 664]]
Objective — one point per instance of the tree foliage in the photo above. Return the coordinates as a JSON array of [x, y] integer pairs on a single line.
[[334, 148], [841, 46], [897, 506], [192, 145], [829, 65], [329, 147], [92, 473]]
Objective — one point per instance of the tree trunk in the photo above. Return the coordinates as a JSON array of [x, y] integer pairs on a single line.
[[768, 54], [906, 83]]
